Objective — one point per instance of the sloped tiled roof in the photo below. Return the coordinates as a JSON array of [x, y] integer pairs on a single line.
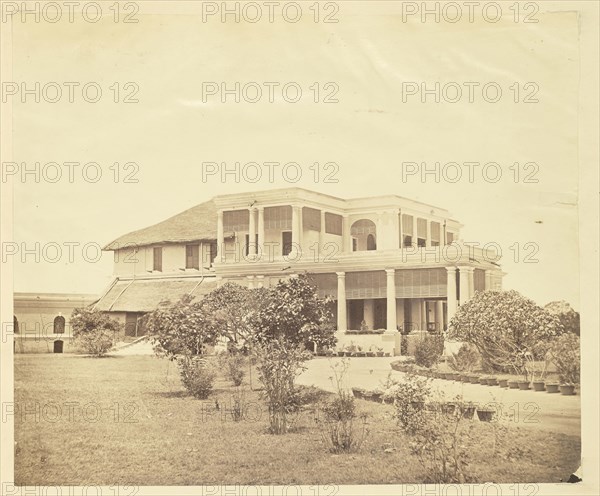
[[198, 223], [145, 295]]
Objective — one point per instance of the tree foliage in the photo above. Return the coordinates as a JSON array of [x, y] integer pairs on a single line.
[[183, 328], [505, 327], [93, 331], [568, 317]]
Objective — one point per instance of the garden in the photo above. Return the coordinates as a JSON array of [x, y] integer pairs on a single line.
[[196, 415]]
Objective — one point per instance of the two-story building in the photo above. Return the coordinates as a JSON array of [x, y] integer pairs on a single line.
[[388, 262]]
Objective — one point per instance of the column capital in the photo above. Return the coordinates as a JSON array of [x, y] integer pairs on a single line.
[[390, 272], [467, 269], [341, 274], [451, 269]]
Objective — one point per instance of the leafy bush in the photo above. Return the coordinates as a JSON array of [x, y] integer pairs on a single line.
[[409, 398], [197, 376], [429, 350], [465, 359], [233, 364], [279, 363], [93, 331], [566, 356], [568, 317], [340, 415], [504, 326]]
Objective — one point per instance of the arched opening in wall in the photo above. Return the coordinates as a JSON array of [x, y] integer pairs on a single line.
[[371, 245], [364, 235], [58, 346], [15, 325], [59, 325]]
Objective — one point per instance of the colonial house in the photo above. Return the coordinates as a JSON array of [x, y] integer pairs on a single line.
[[41, 321], [390, 263]]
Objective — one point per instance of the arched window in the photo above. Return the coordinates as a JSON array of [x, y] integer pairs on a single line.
[[371, 245], [59, 325], [15, 325], [364, 231]]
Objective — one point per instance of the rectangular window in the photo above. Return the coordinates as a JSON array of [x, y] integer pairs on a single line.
[[157, 264], [236, 220], [407, 230], [311, 219], [333, 224], [192, 256], [354, 244], [449, 238], [435, 233], [278, 217], [213, 252], [421, 232], [286, 243]]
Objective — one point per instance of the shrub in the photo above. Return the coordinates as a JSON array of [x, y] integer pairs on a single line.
[[340, 415], [94, 331], [403, 345], [429, 350], [233, 365], [465, 359], [566, 356], [197, 376], [409, 398]]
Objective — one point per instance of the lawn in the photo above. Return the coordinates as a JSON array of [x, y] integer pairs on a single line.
[[127, 420]]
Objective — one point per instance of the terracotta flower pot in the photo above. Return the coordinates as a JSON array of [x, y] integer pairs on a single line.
[[468, 411], [539, 386], [347, 353], [340, 353], [370, 353], [387, 354], [377, 396], [503, 382], [492, 381], [513, 384], [483, 381], [552, 387], [380, 353], [360, 354], [485, 415], [474, 379], [358, 392], [567, 389], [524, 385]]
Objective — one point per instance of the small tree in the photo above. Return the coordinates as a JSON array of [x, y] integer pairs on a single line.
[[94, 331], [505, 327], [465, 359], [429, 350], [289, 316]]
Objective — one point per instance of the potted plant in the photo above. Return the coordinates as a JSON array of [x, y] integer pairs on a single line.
[[379, 351], [503, 383], [485, 414], [524, 385], [552, 387], [350, 350], [567, 389], [358, 392], [539, 385], [387, 354], [360, 352], [377, 396], [474, 379], [467, 410], [483, 380], [371, 351], [513, 384], [492, 381]]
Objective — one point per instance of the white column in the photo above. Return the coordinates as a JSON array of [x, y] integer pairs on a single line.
[[369, 313], [488, 280], [439, 316], [391, 324], [423, 315], [261, 231], [401, 227], [220, 236], [322, 232], [252, 233], [341, 302], [346, 234], [296, 230], [451, 291], [464, 284], [260, 281], [250, 282]]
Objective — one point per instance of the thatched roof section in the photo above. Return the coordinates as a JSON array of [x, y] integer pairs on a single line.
[[198, 223], [145, 295]]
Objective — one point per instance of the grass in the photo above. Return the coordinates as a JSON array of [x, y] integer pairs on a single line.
[[150, 432]]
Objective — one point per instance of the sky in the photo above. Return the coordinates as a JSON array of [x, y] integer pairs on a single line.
[[371, 63]]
